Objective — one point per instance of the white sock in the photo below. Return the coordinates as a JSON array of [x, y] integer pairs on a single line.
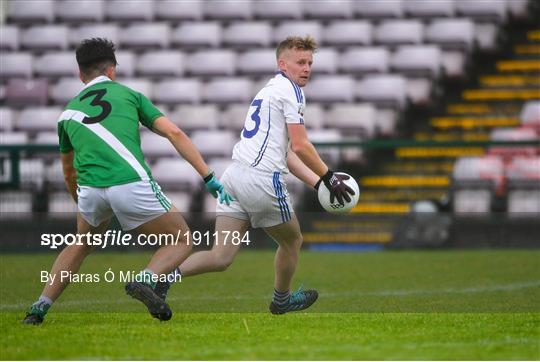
[[45, 300]]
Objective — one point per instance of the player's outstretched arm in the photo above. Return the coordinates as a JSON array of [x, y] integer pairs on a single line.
[[70, 174], [300, 170], [307, 153], [304, 149], [182, 143]]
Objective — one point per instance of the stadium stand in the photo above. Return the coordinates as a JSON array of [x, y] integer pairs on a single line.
[[428, 70]]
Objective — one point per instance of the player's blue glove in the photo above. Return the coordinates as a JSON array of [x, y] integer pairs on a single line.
[[215, 188]]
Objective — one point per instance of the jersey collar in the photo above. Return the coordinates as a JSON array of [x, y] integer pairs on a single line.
[[283, 74], [101, 78]]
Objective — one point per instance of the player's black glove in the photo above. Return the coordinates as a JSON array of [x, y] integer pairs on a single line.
[[338, 189]]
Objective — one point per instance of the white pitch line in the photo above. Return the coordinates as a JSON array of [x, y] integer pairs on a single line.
[[380, 293]]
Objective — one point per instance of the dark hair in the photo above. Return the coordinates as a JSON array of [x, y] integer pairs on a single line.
[[95, 55]]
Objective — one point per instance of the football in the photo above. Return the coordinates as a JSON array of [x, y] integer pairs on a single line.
[[336, 207]]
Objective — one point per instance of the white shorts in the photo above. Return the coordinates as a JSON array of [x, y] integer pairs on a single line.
[[260, 197], [133, 203]]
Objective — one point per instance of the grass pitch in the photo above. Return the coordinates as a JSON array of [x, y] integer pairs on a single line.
[[386, 305]]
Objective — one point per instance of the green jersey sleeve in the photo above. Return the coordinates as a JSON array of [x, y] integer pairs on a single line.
[[63, 139], [148, 113]]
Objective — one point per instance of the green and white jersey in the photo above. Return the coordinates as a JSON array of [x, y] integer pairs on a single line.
[[101, 125]]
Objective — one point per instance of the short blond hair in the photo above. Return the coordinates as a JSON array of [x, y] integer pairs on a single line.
[[298, 43]]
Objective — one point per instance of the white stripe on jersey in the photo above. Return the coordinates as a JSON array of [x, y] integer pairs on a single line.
[[108, 137], [264, 141]]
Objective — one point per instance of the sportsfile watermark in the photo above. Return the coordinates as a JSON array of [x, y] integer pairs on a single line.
[[108, 276], [122, 238]]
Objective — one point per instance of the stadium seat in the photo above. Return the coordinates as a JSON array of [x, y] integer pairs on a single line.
[[429, 8], [30, 11], [524, 168], [234, 116], [23, 92], [419, 91], [325, 61], [340, 9], [278, 10], [423, 60], [243, 34], [330, 88], [161, 63], [16, 65], [348, 33], [215, 143], [479, 173], [125, 10], [513, 134], [197, 34], [14, 204], [470, 202], [228, 90], [32, 172], [314, 116], [212, 62], [383, 89], [9, 37], [453, 63], [61, 203], [393, 32], [530, 114], [34, 119], [81, 10], [45, 37], [357, 120], [386, 124], [46, 138], [523, 175], [361, 60], [330, 155], [108, 31], [176, 174], [298, 28], [13, 138], [524, 203], [57, 64], [193, 117], [145, 35], [486, 36], [451, 33], [518, 9], [180, 90], [482, 9], [257, 62], [180, 199], [228, 9], [7, 119], [379, 9], [154, 145], [66, 89], [141, 85], [179, 10], [126, 63]]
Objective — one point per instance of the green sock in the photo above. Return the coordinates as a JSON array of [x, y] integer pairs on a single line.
[[145, 277]]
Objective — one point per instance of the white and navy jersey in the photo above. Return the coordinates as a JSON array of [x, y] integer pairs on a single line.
[[264, 139]]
